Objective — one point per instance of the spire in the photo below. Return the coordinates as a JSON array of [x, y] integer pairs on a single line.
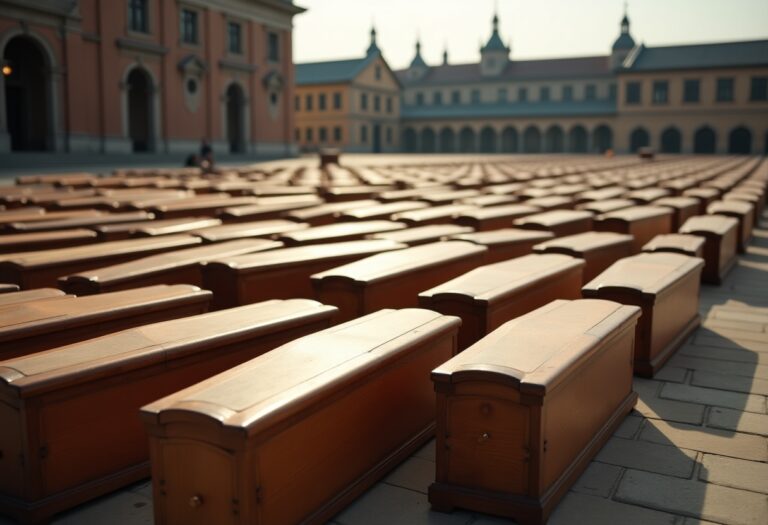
[[445, 56], [373, 47], [495, 43], [625, 40], [417, 60], [625, 21]]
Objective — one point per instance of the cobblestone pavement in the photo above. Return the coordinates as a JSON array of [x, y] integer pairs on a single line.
[[693, 452]]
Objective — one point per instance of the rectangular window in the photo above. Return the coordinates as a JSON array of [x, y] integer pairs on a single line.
[[456, 97], [475, 96], [590, 92], [522, 94], [298, 134], [321, 102], [502, 95], [389, 104], [337, 133], [337, 101], [323, 134], [138, 16], [612, 92], [297, 103], [376, 103], [691, 90], [309, 134], [567, 93], [273, 47], [235, 37], [364, 101], [759, 89], [189, 33], [724, 90], [660, 92], [544, 94], [364, 134], [419, 98], [308, 103], [389, 135], [437, 98], [633, 93]]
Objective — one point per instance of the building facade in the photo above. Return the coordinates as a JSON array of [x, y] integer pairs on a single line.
[[708, 98], [121, 76], [349, 104]]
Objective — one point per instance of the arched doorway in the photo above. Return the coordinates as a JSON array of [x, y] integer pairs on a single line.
[[531, 140], [704, 140], [140, 110], [27, 95], [488, 140], [554, 140], [428, 140], [447, 140], [509, 140], [602, 138], [467, 140], [235, 118], [577, 139], [639, 138], [671, 141], [740, 141], [409, 140]]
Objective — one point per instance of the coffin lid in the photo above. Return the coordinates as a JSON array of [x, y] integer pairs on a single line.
[[164, 225], [185, 226], [146, 345], [493, 212], [287, 257], [275, 386], [411, 193], [43, 258], [718, 224], [46, 236], [535, 352], [494, 282], [433, 212], [702, 192], [31, 295], [260, 209], [635, 213], [648, 194], [584, 242], [646, 273], [677, 202], [490, 200], [76, 222], [731, 206], [682, 241], [247, 229], [340, 230], [329, 209], [603, 193], [203, 202], [43, 316], [379, 209], [607, 206], [163, 262], [442, 196], [549, 200], [392, 264], [432, 231], [37, 216], [555, 217], [504, 236]]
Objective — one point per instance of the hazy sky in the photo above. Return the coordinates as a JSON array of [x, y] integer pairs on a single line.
[[333, 29]]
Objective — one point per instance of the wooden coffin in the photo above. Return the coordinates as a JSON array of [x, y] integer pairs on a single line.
[[433, 215], [521, 413], [756, 199], [552, 202], [24, 296], [488, 296], [268, 208], [559, 222], [438, 198], [490, 200], [199, 206], [79, 403], [599, 250], [599, 195], [743, 211], [281, 274], [423, 234], [48, 323], [8, 218], [683, 208], [245, 230], [666, 287], [394, 279], [647, 195], [705, 196], [381, 211], [721, 234], [600, 207], [76, 222], [505, 243], [326, 213], [642, 222], [682, 243], [28, 242], [339, 232], [176, 267], [8, 288], [42, 268], [495, 217], [340, 409], [119, 232]]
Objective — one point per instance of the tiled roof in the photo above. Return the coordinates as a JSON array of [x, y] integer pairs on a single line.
[[516, 109], [698, 56], [515, 70], [331, 72]]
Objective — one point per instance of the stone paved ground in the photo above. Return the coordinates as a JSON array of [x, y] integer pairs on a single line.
[[694, 452]]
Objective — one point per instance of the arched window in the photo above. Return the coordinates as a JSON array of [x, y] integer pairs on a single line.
[[509, 140], [704, 140], [467, 140], [447, 140], [428, 140], [602, 138], [554, 141], [639, 138], [409, 140], [532, 140], [488, 140], [671, 140], [740, 141], [577, 139]]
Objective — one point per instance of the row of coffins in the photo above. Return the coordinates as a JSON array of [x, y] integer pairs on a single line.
[[284, 410]]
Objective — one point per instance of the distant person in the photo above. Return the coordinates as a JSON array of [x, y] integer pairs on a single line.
[[193, 161], [206, 155]]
